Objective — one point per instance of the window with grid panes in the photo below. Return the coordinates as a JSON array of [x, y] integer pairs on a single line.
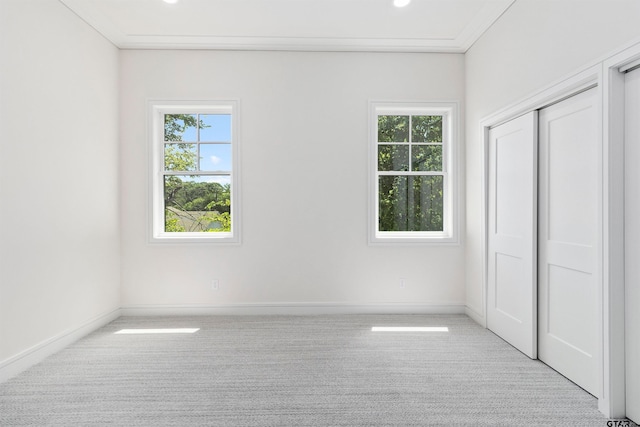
[[412, 155], [195, 152]]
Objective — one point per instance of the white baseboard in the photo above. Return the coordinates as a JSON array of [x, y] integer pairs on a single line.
[[476, 316], [13, 366], [300, 308]]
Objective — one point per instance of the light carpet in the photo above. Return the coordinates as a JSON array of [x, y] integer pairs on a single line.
[[294, 371]]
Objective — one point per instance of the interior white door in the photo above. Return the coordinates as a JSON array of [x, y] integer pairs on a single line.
[[568, 286], [632, 244], [511, 228]]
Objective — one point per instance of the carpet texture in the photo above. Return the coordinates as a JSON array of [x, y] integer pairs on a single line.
[[294, 371]]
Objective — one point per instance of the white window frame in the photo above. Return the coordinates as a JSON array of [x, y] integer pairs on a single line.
[[449, 111], [157, 110]]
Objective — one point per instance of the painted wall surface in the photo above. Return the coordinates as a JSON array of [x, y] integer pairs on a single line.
[[534, 44], [59, 240], [304, 136]]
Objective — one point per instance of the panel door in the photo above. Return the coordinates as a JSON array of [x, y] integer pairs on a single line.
[[568, 284], [632, 244], [511, 269]]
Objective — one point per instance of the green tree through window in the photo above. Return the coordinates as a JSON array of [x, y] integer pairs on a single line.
[[407, 201], [193, 202], [412, 172]]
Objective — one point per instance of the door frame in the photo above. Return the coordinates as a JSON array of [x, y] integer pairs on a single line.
[[589, 78], [614, 302]]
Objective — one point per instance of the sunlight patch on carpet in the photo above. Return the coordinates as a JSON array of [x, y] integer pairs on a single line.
[[409, 329], [158, 331]]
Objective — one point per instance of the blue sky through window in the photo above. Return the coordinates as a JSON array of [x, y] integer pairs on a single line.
[[215, 157], [216, 128], [215, 145]]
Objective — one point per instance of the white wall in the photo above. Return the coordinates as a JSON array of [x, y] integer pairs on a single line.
[[304, 119], [59, 241], [534, 44]]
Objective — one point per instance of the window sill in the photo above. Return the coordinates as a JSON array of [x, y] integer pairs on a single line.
[[408, 239], [208, 238]]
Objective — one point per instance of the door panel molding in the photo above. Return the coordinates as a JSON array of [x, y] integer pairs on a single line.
[[511, 275], [568, 244]]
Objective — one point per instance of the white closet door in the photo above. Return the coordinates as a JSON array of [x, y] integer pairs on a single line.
[[511, 269], [568, 285], [632, 244]]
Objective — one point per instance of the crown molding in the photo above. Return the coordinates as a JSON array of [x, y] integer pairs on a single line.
[[474, 29]]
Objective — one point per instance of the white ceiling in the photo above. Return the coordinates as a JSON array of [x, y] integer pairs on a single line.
[[315, 25]]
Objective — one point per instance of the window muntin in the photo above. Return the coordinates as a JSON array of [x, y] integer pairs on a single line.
[[412, 163], [195, 194]]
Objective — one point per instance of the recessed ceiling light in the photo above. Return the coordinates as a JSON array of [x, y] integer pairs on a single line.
[[396, 3], [171, 1]]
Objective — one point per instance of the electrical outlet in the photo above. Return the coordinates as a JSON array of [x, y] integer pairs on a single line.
[[403, 282], [215, 285]]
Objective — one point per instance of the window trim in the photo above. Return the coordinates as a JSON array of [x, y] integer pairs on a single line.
[[450, 173], [156, 110]]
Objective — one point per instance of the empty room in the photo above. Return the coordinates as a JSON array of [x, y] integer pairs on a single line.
[[319, 212]]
